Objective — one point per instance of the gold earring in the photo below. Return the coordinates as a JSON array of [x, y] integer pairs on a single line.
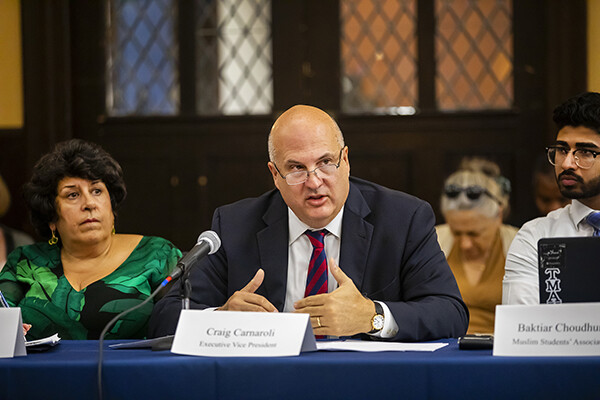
[[113, 230], [53, 240]]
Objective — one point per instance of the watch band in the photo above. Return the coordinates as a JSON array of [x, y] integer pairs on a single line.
[[378, 308]]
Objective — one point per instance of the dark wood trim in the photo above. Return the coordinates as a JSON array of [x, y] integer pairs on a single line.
[[322, 80], [88, 31], [566, 44], [47, 75], [289, 52], [426, 66], [186, 34]]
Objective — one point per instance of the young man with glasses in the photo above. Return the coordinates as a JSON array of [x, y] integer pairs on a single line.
[[577, 168], [281, 251]]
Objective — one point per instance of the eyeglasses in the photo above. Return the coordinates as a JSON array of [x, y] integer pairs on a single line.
[[472, 192], [325, 171], [584, 158]]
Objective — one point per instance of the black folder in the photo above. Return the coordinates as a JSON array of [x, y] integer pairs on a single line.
[[569, 270]]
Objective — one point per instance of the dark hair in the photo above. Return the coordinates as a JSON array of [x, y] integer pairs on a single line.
[[74, 158], [581, 110]]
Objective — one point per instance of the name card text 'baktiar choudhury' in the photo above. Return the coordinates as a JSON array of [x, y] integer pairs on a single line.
[[571, 329]]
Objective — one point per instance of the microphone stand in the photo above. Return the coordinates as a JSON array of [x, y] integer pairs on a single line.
[[185, 289]]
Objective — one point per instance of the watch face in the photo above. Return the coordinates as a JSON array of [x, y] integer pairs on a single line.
[[378, 322]]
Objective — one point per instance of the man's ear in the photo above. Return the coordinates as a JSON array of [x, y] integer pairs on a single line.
[[345, 157], [274, 173]]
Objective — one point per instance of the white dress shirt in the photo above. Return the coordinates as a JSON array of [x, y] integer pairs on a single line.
[[299, 252], [521, 284]]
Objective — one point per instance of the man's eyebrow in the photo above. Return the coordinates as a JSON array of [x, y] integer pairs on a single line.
[[292, 162], [587, 145], [323, 157]]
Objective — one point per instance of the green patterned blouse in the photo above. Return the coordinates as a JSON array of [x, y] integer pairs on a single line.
[[33, 280]]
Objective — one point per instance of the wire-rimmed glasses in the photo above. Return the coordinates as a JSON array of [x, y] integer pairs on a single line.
[[584, 158], [322, 171]]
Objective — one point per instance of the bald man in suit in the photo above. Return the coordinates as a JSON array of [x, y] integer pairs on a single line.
[[385, 278]]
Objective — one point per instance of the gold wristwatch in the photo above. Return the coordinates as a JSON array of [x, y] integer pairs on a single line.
[[378, 319]]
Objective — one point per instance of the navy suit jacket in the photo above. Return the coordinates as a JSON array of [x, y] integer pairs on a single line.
[[389, 249]]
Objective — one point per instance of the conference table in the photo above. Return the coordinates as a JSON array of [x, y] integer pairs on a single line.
[[69, 371]]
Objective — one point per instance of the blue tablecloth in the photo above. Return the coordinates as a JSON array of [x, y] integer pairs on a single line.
[[69, 372]]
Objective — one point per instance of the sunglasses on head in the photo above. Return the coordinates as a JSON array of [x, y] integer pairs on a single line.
[[472, 192]]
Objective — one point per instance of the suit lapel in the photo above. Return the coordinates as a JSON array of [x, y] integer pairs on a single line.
[[356, 237], [273, 252]]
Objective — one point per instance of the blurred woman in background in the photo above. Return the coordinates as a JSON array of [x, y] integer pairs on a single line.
[[85, 273], [474, 203]]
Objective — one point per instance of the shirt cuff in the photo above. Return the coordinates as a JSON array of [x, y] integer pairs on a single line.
[[390, 327]]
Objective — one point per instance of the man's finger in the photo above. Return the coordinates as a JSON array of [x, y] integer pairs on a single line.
[[252, 302], [337, 273], [259, 301], [314, 300], [245, 301], [313, 312], [255, 283]]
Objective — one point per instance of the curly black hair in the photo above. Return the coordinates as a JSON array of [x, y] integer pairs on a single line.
[[73, 158], [580, 110]]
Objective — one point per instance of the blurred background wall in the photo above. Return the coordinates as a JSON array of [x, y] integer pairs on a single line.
[[183, 92]]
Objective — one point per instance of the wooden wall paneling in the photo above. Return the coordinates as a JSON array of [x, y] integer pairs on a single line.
[[566, 59], [184, 170], [323, 77], [306, 64], [151, 201], [389, 168], [88, 61], [47, 76], [154, 184], [534, 84], [426, 54], [424, 142], [287, 39], [237, 177], [411, 152]]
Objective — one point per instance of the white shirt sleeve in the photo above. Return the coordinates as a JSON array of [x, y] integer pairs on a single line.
[[520, 284]]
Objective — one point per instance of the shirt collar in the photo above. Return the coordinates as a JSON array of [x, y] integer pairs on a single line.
[[578, 211], [297, 227]]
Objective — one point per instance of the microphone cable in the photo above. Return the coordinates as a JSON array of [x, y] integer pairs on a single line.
[[115, 319]]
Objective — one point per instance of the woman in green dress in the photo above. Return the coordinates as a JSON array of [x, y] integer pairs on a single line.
[[85, 273]]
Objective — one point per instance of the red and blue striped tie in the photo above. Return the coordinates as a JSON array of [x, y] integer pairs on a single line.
[[316, 280]]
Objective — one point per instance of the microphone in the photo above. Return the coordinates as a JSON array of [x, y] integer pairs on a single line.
[[208, 243]]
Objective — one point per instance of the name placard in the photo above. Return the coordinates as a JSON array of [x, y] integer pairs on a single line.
[[242, 334], [571, 329], [12, 342]]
